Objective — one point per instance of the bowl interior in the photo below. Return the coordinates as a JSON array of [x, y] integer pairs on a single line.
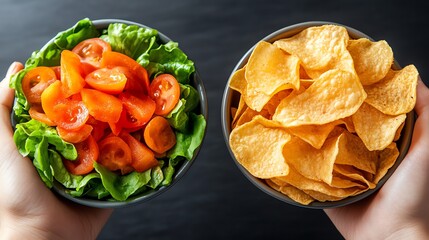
[[231, 98]]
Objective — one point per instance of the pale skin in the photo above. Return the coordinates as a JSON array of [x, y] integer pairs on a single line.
[[400, 209], [28, 209]]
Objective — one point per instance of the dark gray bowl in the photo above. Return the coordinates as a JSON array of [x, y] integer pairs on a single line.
[[230, 98], [203, 109]]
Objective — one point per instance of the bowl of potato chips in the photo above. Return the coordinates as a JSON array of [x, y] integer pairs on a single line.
[[319, 114]]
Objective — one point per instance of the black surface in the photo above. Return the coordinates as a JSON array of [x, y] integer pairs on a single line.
[[214, 200]]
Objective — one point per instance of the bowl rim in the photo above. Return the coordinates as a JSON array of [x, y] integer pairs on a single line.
[[289, 31], [196, 82]]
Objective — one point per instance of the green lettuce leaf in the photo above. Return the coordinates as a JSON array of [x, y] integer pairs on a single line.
[[187, 143], [169, 58], [50, 54], [122, 187], [130, 40]]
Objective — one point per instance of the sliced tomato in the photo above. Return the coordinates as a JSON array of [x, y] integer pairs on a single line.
[[57, 70], [71, 73], [158, 135], [142, 157], [98, 128], [66, 113], [115, 154], [108, 80], [102, 106], [90, 52], [137, 111], [75, 136], [36, 112], [114, 59], [87, 153], [36, 81], [165, 91]]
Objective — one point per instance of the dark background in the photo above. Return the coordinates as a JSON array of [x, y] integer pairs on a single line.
[[214, 200]]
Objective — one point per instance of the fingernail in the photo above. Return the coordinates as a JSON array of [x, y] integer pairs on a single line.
[[13, 68]]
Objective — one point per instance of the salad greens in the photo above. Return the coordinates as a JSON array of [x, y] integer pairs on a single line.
[[43, 145]]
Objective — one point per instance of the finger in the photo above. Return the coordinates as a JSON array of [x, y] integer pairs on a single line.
[[422, 97], [6, 96]]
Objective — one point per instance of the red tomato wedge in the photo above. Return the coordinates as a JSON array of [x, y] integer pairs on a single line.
[[90, 52], [108, 80], [75, 136], [71, 73], [102, 106], [36, 112], [137, 111], [142, 157], [87, 153], [66, 113], [57, 70], [115, 154], [36, 81], [115, 59], [158, 135], [165, 91]]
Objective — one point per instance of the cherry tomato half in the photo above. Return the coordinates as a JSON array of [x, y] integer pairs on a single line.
[[90, 52], [87, 153], [115, 154], [36, 81], [108, 80], [165, 91]]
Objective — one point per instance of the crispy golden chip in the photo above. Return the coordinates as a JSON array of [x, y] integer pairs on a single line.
[[354, 153], [296, 194], [398, 132], [315, 135], [248, 115], [312, 163], [240, 110], [396, 93], [372, 60], [344, 62], [305, 184], [271, 105], [270, 70], [335, 95], [354, 174], [238, 81], [247, 141], [376, 129], [387, 159], [316, 46]]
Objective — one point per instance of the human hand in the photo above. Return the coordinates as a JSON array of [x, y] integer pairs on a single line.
[[28, 209], [400, 209]]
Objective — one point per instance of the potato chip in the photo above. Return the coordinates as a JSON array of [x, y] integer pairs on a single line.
[[296, 194], [247, 141], [376, 129], [372, 60], [335, 95], [316, 46], [270, 70], [343, 62], [305, 184], [312, 163], [238, 81], [240, 110], [354, 153], [398, 132], [315, 135], [387, 159], [354, 174], [248, 115], [395, 94], [271, 105], [273, 184]]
